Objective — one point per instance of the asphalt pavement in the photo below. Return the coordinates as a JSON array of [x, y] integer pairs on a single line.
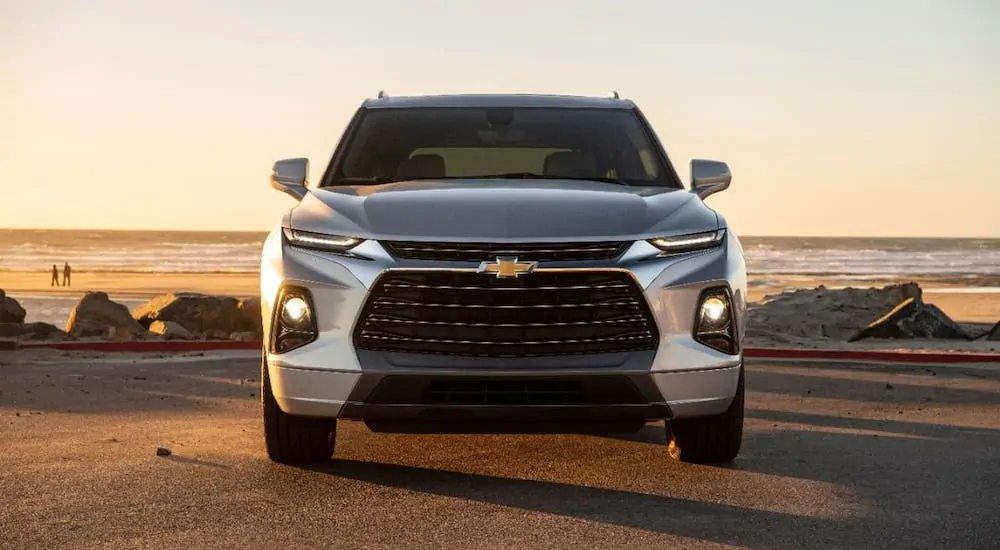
[[834, 456]]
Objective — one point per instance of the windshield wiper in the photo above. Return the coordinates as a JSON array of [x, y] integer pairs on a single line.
[[532, 175]]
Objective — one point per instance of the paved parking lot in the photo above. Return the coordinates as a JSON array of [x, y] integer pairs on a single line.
[[835, 456]]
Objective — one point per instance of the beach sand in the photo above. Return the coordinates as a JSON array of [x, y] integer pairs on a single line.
[[132, 285]]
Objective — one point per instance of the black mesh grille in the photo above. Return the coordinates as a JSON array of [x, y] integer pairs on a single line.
[[543, 313], [477, 252]]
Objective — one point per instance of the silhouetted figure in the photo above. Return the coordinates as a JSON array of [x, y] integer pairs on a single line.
[[55, 275], [66, 274]]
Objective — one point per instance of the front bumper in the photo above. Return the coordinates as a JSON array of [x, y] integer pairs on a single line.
[[329, 393], [681, 378]]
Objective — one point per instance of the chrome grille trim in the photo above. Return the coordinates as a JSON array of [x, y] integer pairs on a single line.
[[461, 312]]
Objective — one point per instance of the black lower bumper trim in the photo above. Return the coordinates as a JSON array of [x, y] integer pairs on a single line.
[[505, 419]]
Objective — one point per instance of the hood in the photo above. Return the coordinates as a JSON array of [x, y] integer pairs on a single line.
[[502, 210]]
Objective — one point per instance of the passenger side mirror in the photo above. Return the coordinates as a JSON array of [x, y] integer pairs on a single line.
[[291, 176], [709, 177]]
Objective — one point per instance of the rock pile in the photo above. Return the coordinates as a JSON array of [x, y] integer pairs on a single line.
[[849, 315], [179, 316]]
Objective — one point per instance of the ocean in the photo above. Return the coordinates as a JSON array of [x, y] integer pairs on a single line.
[[964, 262]]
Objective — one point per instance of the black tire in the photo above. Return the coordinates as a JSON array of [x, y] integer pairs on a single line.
[[709, 440], [294, 439]]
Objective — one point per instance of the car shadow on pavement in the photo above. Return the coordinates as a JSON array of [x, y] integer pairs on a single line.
[[710, 521]]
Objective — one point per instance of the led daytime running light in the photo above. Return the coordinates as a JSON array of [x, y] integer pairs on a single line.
[[689, 243], [317, 240]]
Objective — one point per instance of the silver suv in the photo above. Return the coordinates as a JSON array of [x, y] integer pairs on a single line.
[[502, 264]]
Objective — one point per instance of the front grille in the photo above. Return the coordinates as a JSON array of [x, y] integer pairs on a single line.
[[543, 313], [478, 390], [477, 252]]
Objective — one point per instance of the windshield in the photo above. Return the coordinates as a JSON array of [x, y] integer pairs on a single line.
[[499, 142]]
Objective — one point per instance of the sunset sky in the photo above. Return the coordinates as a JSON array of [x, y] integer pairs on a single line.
[[837, 118]]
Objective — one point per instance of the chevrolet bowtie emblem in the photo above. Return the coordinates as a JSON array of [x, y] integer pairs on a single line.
[[507, 267]]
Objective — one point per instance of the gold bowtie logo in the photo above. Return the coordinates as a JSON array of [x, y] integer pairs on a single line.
[[507, 267]]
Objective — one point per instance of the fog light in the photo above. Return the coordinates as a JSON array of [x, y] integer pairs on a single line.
[[713, 310], [295, 312], [715, 326], [295, 321]]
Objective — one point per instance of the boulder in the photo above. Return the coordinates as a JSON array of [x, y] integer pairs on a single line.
[[10, 310], [97, 315], [912, 318], [170, 330], [42, 331], [195, 312]]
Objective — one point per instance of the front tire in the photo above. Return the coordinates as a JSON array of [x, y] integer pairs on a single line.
[[714, 439], [294, 439]]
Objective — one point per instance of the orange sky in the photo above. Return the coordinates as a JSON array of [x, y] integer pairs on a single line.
[[878, 122]]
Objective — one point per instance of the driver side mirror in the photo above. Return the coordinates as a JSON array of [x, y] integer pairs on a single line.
[[291, 176], [709, 177]]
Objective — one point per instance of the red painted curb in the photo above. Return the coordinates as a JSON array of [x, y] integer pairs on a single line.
[[147, 346], [760, 353]]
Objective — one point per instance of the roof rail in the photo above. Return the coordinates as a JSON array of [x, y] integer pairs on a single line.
[[382, 94], [614, 95]]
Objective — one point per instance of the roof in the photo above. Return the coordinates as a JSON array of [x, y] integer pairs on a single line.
[[499, 100]]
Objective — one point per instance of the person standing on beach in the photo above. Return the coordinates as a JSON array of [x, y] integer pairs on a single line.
[[55, 275], [66, 274]]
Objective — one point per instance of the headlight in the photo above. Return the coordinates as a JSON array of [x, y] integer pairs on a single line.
[[319, 241], [692, 242], [715, 324]]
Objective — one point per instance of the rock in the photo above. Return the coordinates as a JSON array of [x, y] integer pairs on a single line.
[[10, 310], [11, 330], [825, 313], [195, 312], [31, 331], [162, 451], [169, 330], [246, 336], [43, 331], [250, 310], [912, 318], [994, 333], [96, 314]]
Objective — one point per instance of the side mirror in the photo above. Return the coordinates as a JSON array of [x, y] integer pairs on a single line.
[[709, 177], [291, 176]]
